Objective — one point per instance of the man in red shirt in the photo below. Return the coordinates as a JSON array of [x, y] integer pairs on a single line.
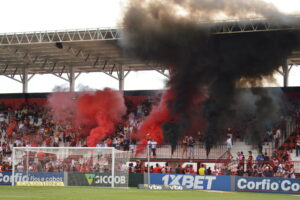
[[168, 169], [157, 169], [241, 159], [249, 160]]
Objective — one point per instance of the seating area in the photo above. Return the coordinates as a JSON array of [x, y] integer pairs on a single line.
[[31, 125]]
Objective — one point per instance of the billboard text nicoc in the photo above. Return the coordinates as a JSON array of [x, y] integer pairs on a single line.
[[196, 182]]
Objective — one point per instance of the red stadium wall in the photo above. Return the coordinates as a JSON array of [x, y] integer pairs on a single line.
[[132, 97], [16, 100]]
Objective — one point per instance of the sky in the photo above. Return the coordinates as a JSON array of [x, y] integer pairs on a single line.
[[41, 15]]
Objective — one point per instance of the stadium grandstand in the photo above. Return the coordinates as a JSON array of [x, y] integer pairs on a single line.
[[26, 122]]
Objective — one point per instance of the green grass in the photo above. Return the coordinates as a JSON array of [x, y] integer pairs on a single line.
[[93, 193]]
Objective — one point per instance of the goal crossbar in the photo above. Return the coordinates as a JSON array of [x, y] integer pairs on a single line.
[[25, 160]]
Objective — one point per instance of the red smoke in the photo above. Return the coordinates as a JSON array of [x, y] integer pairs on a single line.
[[105, 107], [98, 112], [63, 107], [151, 127]]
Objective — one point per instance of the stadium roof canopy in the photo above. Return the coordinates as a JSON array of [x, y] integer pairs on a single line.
[[73, 52]]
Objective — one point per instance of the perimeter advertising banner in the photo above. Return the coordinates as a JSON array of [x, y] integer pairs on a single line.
[[6, 177], [264, 184], [96, 179], [195, 182]]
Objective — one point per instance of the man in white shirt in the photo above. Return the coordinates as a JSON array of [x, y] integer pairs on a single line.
[[229, 147], [229, 143], [153, 144]]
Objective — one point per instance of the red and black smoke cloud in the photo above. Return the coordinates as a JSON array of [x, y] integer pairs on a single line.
[[212, 65], [151, 128]]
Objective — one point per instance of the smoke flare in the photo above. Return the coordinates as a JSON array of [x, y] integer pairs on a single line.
[[171, 32], [94, 112]]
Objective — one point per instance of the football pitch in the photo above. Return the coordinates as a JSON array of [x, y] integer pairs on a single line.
[[93, 193]]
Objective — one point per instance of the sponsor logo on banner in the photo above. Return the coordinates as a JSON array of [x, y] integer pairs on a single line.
[[6, 178], [161, 187], [196, 182], [268, 185], [96, 179], [89, 178]]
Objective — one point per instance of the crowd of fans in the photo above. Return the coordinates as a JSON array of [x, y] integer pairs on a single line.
[[261, 166], [32, 126]]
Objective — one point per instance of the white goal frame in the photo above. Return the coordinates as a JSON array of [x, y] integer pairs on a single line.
[[37, 149]]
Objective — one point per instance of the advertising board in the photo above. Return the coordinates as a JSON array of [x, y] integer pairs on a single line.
[[6, 177], [195, 182], [96, 179], [264, 184]]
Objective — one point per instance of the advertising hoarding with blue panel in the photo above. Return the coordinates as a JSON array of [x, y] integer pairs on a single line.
[[195, 182], [265, 184], [6, 177]]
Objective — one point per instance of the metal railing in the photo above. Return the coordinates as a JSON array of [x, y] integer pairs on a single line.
[[182, 152], [233, 165]]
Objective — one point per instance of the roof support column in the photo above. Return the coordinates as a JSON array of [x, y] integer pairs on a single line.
[[121, 78], [25, 80], [72, 79], [285, 71]]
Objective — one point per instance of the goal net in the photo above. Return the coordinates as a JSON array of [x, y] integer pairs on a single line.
[[70, 166]]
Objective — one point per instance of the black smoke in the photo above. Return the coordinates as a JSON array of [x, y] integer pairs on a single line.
[[171, 134], [213, 65]]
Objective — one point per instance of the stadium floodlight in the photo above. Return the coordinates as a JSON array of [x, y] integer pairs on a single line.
[[70, 166]]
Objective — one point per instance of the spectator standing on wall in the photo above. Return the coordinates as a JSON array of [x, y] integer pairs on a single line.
[[132, 146], [149, 146], [191, 143], [229, 147], [298, 145], [153, 145], [185, 145], [277, 138]]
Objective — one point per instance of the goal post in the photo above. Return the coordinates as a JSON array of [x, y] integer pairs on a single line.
[[70, 166]]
